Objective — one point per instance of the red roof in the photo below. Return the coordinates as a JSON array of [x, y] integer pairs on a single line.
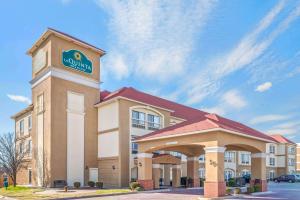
[[196, 120], [281, 139]]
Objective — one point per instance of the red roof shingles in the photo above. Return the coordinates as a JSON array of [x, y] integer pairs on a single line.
[[281, 139], [196, 120]]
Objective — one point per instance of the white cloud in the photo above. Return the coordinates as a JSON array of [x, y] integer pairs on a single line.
[[282, 131], [289, 128], [217, 110], [263, 87], [268, 118], [19, 98], [155, 38], [234, 99], [65, 2], [230, 100]]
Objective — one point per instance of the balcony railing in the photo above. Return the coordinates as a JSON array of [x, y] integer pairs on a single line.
[[143, 124]]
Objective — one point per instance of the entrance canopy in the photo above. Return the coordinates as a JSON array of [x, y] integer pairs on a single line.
[[210, 135]]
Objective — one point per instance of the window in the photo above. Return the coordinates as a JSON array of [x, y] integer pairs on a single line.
[[291, 162], [202, 158], [272, 149], [30, 122], [138, 119], [40, 103], [272, 161], [229, 156], [245, 159], [176, 154], [153, 122], [271, 175], [22, 127], [228, 174], [21, 147], [291, 150], [201, 173], [134, 148], [29, 147], [245, 172]]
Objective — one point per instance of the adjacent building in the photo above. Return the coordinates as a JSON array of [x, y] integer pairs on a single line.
[[298, 158]]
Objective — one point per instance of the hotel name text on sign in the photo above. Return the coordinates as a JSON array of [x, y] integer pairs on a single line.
[[77, 60]]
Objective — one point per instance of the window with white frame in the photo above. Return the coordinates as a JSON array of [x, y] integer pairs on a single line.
[[291, 150], [246, 172], [154, 122], [228, 174], [272, 148], [202, 173], [271, 174], [134, 148], [138, 119], [291, 162], [21, 128], [245, 158], [229, 156], [272, 161], [29, 122]]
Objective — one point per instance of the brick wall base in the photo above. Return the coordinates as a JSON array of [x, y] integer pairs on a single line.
[[146, 184], [214, 189]]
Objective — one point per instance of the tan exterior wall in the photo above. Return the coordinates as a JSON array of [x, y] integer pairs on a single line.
[[298, 158], [109, 171], [23, 174], [124, 127]]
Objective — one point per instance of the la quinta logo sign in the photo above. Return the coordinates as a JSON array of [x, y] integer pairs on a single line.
[[77, 60]]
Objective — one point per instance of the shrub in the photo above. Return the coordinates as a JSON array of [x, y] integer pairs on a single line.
[[237, 191], [99, 185], [231, 182], [91, 183], [257, 188], [76, 185], [250, 189], [202, 180], [139, 189], [135, 185], [228, 191]]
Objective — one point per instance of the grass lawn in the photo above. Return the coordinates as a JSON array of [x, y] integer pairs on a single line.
[[27, 193]]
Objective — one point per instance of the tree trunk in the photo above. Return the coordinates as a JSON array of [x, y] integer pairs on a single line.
[[15, 180]]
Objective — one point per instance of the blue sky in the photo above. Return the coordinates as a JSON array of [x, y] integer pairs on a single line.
[[240, 59]]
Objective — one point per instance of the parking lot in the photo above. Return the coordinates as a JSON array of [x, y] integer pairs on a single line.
[[278, 191]]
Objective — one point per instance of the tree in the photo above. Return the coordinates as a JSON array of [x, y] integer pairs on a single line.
[[11, 159]]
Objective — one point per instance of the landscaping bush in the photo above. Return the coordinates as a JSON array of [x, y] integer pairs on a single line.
[[236, 191], [231, 182], [91, 183], [76, 185], [134, 185], [228, 191], [99, 185], [250, 189], [139, 189], [257, 188]]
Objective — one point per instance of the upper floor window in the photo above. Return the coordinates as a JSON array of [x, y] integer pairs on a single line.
[[40, 103], [138, 119], [176, 154], [291, 150], [21, 147], [29, 147], [272, 161], [153, 122], [271, 149], [229, 156], [134, 148], [245, 159], [30, 122], [21, 126]]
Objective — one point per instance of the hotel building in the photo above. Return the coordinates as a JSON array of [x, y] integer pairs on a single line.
[[77, 132]]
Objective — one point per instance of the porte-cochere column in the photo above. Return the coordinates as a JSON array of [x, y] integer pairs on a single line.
[[145, 170], [156, 174], [214, 185], [258, 170], [192, 171], [176, 175]]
